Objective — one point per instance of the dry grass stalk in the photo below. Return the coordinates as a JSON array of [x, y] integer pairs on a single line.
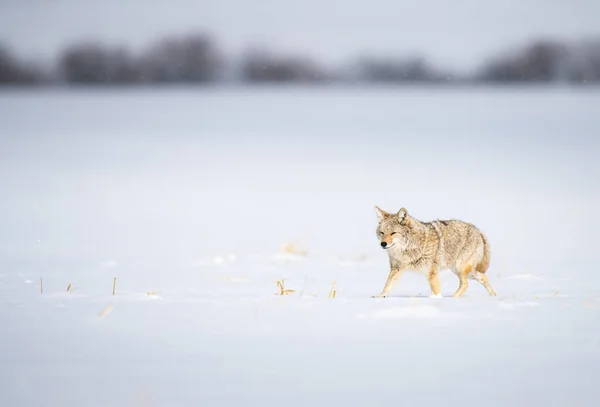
[[332, 291], [282, 290], [114, 285], [41, 286], [290, 248], [69, 288]]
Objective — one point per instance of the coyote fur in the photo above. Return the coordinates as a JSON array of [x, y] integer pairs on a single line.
[[428, 247]]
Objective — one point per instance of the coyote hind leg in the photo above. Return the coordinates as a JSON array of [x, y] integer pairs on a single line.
[[482, 278], [464, 284]]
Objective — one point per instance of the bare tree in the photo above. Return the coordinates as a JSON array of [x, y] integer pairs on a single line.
[[14, 72], [540, 62], [194, 58], [389, 70], [260, 66], [93, 64]]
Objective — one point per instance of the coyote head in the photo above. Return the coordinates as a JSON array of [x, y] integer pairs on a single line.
[[392, 229]]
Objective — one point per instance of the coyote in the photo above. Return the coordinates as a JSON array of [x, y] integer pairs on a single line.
[[428, 247]]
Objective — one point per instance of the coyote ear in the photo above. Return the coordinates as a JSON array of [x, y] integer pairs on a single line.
[[402, 216], [380, 213]]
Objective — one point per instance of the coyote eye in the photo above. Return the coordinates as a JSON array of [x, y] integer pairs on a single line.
[[393, 233]]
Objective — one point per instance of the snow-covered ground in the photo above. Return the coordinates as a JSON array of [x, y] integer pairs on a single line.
[[189, 197]]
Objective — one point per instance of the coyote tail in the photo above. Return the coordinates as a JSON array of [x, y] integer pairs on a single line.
[[484, 263]]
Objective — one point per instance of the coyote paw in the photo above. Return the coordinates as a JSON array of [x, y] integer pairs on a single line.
[[436, 296], [379, 296]]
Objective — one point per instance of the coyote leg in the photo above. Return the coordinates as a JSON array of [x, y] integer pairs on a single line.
[[462, 275], [482, 278], [391, 280], [434, 282]]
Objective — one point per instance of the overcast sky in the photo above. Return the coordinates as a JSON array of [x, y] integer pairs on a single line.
[[458, 33]]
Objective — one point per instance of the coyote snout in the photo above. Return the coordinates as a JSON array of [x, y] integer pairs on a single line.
[[387, 238], [428, 247]]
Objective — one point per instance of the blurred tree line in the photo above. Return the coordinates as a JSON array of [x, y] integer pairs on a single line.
[[546, 61], [197, 59], [13, 71]]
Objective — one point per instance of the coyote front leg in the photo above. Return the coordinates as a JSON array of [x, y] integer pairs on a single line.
[[434, 282], [395, 273]]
